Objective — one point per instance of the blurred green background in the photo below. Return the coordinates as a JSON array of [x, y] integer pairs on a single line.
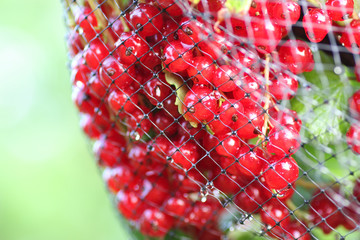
[[50, 187]]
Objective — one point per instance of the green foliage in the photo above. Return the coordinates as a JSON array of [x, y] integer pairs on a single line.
[[322, 102], [237, 6]]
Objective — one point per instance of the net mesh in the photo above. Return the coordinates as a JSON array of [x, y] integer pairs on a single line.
[[215, 119]]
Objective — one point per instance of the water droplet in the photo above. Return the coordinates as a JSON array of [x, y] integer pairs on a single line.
[[159, 105], [135, 136]]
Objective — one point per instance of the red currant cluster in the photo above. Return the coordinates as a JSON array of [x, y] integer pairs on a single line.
[[185, 101]]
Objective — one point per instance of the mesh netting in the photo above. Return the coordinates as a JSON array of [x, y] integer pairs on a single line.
[[215, 119]]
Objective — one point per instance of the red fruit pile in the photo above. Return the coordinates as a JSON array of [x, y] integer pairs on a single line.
[[185, 105]]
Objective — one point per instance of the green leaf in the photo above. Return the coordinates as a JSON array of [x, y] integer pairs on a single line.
[[322, 101], [181, 89], [238, 6]]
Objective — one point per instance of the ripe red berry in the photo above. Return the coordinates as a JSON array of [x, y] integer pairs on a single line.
[[281, 172], [123, 101], [130, 205], [283, 87], [178, 56], [157, 89], [285, 118], [201, 70], [251, 160], [130, 48], [146, 19], [229, 145], [113, 72], [354, 104], [110, 150], [284, 12], [177, 206], [184, 154], [95, 53], [171, 7], [200, 104], [253, 196], [353, 138], [227, 78], [339, 10], [297, 56], [283, 141], [316, 24], [86, 19], [275, 215], [351, 37], [230, 112], [250, 125], [191, 31]]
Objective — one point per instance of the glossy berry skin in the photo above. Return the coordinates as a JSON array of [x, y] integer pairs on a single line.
[[96, 87], [119, 177], [94, 125], [84, 100], [155, 223], [147, 19], [353, 138], [130, 205], [177, 206], [356, 190], [265, 35], [113, 72], [215, 47], [325, 205], [86, 19], [95, 53], [138, 123], [184, 154], [283, 141], [351, 37], [227, 78], [177, 56], [157, 89], [339, 10], [284, 12], [250, 87], [171, 7], [229, 145], [130, 48], [316, 24], [282, 171], [252, 197], [110, 150], [200, 214], [164, 124], [200, 104], [230, 112], [191, 31], [123, 101], [296, 230], [250, 125], [155, 189], [274, 212], [251, 160], [283, 87], [201, 70], [354, 105], [297, 56], [285, 118], [210, 6]]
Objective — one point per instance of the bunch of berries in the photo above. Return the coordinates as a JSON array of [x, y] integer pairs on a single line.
[[185, 102]]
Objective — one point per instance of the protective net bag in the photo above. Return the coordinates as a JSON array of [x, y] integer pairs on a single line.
[[215, 119]]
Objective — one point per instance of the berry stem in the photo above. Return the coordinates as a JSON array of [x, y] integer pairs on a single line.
[[70, 14], [102, 21], [298, 212], [115, 7], [315, 3], [306, 184], [267, 99]]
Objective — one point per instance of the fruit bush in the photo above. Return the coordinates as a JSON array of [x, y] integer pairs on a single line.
[[223, 119]]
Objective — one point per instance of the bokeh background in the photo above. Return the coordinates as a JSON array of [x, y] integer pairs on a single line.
[[50, 187]]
